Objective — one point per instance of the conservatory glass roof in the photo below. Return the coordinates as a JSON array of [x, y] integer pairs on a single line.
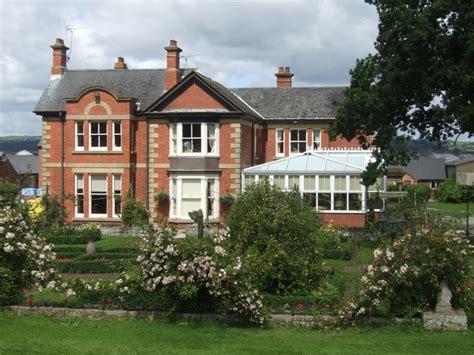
[[316, 162]]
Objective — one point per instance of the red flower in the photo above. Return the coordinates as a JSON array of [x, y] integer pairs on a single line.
[[63, 260], [327, 306], [299, 306], [406, 258], [336, 306], [458, 289], [106, 300], [29, 301]]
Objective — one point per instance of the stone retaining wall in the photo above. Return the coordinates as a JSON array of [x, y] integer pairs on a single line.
[[274, 319]]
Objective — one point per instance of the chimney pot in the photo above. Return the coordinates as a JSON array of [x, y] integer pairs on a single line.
[[120, 64], [284, 76]]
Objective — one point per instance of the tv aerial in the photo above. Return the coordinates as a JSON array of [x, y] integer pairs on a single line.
[[186, 57], [71, 31]]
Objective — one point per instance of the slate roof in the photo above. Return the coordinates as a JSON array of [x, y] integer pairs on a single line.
[[24, 164], [461, 161], [146, 85], [294, 103], [427, 168]]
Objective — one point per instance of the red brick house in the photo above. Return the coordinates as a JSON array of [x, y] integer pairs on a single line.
[[110, 133]]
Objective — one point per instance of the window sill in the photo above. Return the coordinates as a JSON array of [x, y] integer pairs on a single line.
[[190, 221], [193, 155], [95, 219], [95, 152]]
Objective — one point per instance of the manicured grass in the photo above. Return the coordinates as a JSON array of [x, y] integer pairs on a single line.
[[108, 242], [456, 209], [40, 334]]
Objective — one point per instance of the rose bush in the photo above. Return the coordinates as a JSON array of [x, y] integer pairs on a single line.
[[198, 274], [406, 277], [24, 257]]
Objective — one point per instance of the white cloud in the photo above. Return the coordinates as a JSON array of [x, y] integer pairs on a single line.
[[238, 43]]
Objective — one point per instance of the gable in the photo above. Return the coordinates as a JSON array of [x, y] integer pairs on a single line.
[[195, 97]]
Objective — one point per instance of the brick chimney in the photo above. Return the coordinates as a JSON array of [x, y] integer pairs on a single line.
[[284, 78], [172, 74], [59, 57], [120, 63]]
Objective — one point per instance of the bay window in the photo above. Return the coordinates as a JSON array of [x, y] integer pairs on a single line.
[[191, 193], [79, 205], [194, 139], [117, 194], [98, 195]]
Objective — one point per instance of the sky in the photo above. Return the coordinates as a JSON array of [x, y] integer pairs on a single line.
[[238, 43]]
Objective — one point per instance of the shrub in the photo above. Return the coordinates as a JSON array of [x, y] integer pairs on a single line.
[[449, 191], [406, 276], [8, 192], [198, 275], [24, 257], [134, 213], [91, 231], [275, 233], [420, 192], [105, 256], [70, 239], [333, 245]]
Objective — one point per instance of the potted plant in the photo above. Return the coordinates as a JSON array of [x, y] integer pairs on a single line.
[[227, 200], [162, 196]]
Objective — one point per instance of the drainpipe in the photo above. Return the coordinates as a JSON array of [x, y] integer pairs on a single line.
[[253, 143], [147, 173], [63, 122]]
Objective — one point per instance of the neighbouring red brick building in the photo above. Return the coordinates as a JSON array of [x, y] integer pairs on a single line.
[[111, 133]]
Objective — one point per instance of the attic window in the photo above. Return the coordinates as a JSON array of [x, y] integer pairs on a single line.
[[97, 98]]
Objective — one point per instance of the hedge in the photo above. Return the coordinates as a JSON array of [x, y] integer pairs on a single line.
[[94, 266], [69, 239], [58, 248], [105, 256], [68, 254]]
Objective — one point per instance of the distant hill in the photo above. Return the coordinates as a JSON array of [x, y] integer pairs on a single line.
[[13, 144]]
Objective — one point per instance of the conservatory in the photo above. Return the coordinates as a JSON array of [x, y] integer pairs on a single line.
[[330, 180]]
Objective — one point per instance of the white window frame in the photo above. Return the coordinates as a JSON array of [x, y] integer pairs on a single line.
[[316, 139], [176, 195], [99, 134], [77, 194], [298, 141], [116, 177], [98, 215], [176, 141], [115, 134], [78, 147], [282, 142]]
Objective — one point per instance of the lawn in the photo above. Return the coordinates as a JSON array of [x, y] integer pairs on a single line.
[[452, 209], [41, 334]]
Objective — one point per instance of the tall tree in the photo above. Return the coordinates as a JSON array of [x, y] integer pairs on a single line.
[[419, 82]]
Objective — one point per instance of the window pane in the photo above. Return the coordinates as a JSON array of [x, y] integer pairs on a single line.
[[191, 188], [95, 141], [211, 130], [324, 183], [279, 134], [94, 127], [340, 201], [80, 141], [196, 130], [293, 182], [103, 141], [340, 183], [309, 183], [99, 203], [355, 202], [279, 181], [80, 204], [196, 145], [186, 130], [302, 135], [354, 183], [310, 198], [324, 201], [117, 127], [103, 127], [118, 141], [294, 135], [80, 127], [249, 179]]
